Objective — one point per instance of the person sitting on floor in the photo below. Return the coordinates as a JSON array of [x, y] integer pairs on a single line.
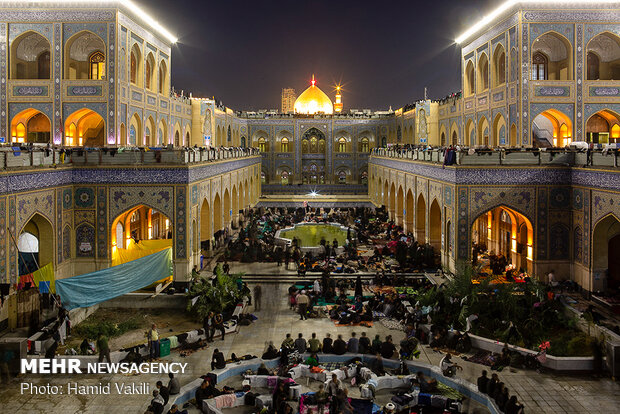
[[300, 344], [262, 370], [271, 352], [327, 344], [448, 368], [312, 360], [314, 345], [217, 360], [427, 386], [340, 346], [388, 348], [377, 365]]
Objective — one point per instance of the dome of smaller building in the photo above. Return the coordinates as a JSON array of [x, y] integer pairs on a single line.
[[313, 100]]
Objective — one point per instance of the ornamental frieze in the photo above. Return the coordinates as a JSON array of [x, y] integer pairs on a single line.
[[604, 91], [30, 91], [94, 90]]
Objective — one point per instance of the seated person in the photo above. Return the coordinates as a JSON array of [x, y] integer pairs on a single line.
[[328, 344], [262, 370], [427, 386], [448, 368], [340, 346], [205, 391], [271, 352], [377, 365], [464, 343], [175, 410], [218, 361], [312, 360]]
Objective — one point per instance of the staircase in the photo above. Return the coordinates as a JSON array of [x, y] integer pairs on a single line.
[[542, 137]]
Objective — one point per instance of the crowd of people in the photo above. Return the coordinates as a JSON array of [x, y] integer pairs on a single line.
[[369, 230], [498, 391]]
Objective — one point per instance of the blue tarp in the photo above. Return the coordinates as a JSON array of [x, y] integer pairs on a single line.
[[96, 287]]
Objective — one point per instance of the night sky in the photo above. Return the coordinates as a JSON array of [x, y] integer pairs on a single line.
[[383, 52]]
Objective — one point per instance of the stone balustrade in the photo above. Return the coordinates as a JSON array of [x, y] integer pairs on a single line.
[[15, 158], [510, 157]]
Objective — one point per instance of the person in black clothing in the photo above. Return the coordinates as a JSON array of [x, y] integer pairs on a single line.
[[327, 344], [218, 361], [218, 324], [340, 346], [364, 344], [482, 382], [512, 406], [388, 348], [271, 352], [262, 370], [163, 391], [491, 385], [207, 325], [206, 390]]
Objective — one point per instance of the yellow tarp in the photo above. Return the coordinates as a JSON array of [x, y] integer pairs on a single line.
[[45, 274], [135, 251]]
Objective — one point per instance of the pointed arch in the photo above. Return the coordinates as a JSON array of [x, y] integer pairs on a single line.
[[420, 219], [30, 56]]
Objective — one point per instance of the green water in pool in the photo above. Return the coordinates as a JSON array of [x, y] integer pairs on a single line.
[[310, 235]]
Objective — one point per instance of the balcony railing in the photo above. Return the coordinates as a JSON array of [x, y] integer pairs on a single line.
[[508, 157], [29, 157]]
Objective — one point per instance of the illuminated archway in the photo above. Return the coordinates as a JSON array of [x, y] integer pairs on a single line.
[[85, 56], [502, 230], [499, 131], [135, 131], [434, 226], [206, 231], [603, 127], [31, 126], [552, 57], [217, 213], [235, 205], [30, 57], [409, 212], [139, 231], [227, 208], [603, 57], [499, 66], [605, 260], [400, 206], [483, 132], [386, 196], [552, 127], [85, 127], [35, 244], [392, 202], [482, 80], [420, 220], [470, 134], [469, 79]]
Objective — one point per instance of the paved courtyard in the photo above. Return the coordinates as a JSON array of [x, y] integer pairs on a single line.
[[541, 393]]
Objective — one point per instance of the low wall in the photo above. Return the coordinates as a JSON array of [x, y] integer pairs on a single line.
[[464, 387], [145, 301], [569, 364]]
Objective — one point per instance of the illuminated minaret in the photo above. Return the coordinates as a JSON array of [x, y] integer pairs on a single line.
[[338, 103]]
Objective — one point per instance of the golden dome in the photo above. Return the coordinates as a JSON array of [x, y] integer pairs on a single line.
[[313, 100]]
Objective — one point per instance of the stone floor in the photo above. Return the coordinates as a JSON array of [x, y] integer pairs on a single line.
[[541, 393]]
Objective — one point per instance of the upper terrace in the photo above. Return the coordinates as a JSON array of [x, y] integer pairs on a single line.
[[567, 157]]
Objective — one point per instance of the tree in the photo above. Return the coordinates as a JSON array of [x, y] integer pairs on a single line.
[[205, 298]]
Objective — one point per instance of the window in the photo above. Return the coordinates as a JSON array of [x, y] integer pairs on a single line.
[[539, 66], [501, 69], [284, 145], [593, 66], [321, 146], [43, 65], [262, 145], [342, 145], [364, 146], [134, 217], [97, 65], [133, 69]]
